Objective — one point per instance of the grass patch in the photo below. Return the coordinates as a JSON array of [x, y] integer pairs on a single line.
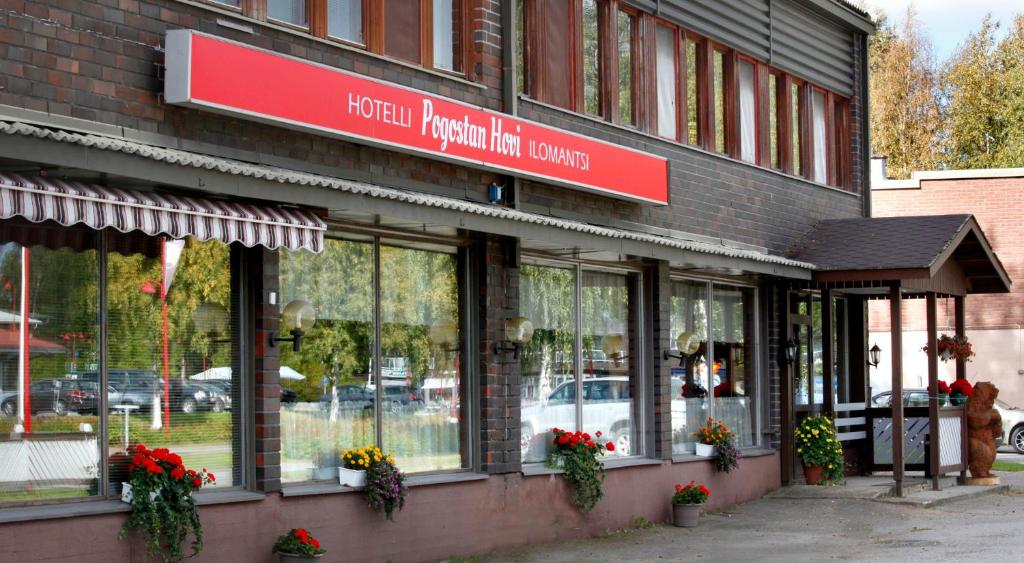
[[1001, 465]]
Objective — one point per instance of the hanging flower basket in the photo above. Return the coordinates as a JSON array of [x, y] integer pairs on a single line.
[[952, 348]]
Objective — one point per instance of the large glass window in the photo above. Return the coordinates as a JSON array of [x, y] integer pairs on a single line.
[[795, 129], [447, 34], [718, 92], [717, 379], [408, 393], [773, 120], [748, 112], [591, 67], [171, 363], [691, 92], [625, 25], [584, 379], [288, 11], [345, 20], [819, 136], [667, 81]]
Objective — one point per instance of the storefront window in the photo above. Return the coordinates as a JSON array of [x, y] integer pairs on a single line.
[[735, 362], [730, 382], [572, 379], [49, 324], [171, 354], [689, 321], [417, 409], [171, 362]]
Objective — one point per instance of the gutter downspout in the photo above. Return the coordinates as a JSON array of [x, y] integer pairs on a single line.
[[865, 154]]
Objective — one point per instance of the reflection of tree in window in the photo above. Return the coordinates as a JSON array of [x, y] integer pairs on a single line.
[[591, 79], [625, 28], [719, 100]]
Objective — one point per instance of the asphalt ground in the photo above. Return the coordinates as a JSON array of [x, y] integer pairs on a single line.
[[985, 528]]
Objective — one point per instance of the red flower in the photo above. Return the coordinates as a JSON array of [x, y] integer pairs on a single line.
[[315, 543], [174, 458], [154, 468], [678, 486], [562, 440], [210, 475], [586, 436], [177, 473], [197, 482], [598, 433], [704, 490], [610, 447], [140, 448]]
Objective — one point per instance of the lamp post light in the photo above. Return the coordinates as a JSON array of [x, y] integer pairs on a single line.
[[518, 331], [791, 350], [874, 356], [301, 317]]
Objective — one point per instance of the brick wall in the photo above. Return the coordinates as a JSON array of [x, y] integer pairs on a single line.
[[998, 205], [263, 271]]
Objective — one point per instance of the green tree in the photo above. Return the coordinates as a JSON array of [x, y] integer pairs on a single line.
[[905, 109]]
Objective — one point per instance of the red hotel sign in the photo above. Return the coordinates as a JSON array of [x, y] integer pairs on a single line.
[[215, 74]]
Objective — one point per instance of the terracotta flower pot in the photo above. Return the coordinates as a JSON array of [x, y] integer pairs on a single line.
[[686, 515], [812, 474]]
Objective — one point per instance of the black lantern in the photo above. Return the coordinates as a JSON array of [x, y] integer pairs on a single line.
[[792, 348], [875, 356]]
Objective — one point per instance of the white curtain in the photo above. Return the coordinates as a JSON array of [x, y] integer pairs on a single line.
[[345, 20], [666, 67], [818, 122], [291, 11], [443, 35], [748, 110]]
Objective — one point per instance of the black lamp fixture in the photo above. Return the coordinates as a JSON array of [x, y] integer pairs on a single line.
[[212, 319], [874, 356], [791, 350], [300, 316], [518, 331], [687, 344]]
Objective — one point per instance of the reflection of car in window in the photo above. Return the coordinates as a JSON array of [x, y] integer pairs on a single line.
[[606, 407]]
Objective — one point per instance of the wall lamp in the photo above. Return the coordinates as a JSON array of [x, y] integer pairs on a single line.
[[687, 343], [791, 350], [875, 356], [301, 317], [212, 319], [518, 331]]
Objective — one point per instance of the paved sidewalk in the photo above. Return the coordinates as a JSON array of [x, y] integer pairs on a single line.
[[984, 528]]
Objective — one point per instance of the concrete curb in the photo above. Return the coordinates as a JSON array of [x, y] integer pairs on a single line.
[[931, 499]]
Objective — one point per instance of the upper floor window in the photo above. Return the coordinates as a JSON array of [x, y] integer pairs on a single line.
[[430, 33], [748, 111], [667, 68]]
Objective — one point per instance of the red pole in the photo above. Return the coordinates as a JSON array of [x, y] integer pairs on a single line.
[[26, 373], [167, 359]]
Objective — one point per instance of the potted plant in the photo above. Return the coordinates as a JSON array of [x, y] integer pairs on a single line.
[[819, 450], [160, 488], [959, 391], [385, 484], [717, 441], [953, 347], [686, 504], [943, 393], [297, 545], [577, 454]]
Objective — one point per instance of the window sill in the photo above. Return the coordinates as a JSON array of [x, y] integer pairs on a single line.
[[532, 469], [308, 489], [305, 34], [99, 507], [752, 452], [687, 146]]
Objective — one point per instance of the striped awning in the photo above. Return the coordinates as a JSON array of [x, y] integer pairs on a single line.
[[70, 203]]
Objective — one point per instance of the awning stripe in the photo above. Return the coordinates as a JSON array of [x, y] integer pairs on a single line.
[[99, 207]]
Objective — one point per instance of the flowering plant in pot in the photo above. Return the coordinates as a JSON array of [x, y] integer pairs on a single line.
[[819, 450], [385, 484], [687, 502], [577, 454], [160, 488], [716, 437], [952, 347], [959, 391], [296, 545], [943, 393]]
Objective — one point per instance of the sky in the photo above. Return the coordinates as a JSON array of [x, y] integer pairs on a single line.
[[948, 22]]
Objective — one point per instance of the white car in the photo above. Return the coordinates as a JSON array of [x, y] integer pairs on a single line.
[[606, 408], [1013, 425]]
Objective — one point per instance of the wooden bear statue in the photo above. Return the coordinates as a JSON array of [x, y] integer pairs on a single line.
[[984, 425]]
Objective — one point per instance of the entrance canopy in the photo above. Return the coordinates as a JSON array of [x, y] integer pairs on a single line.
[[946, 254], [40, 199]]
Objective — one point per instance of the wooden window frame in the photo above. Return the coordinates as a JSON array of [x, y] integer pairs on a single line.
[[373, 29], [759, 96], [636, 44], [679, 79]]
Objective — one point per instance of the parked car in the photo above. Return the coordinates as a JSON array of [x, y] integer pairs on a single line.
[[219, 398], [59, 396], [1013, 425], [911, 398], [349, 397], [606, 408], [289, 396], [140, 395], [398, 396], [189, 397]]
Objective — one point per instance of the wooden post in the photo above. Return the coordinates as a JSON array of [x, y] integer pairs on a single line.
[[933, 393], [961, 373], [785, 332], [896, 326], [827, 362]]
